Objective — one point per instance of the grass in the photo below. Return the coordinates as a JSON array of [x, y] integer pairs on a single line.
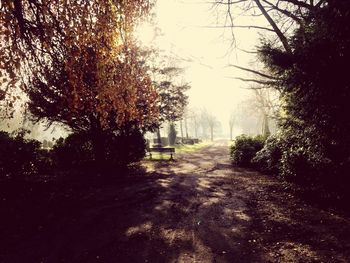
[[188, 148], [179, 149], [230, 143]]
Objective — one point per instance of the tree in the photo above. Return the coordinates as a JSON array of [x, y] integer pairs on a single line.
[[191, 117], [193, 113], [282, 16], [172, 92], [266, 103], [231, 123], [247, 117], [71, 40], [210, 121], [78, 64], [166, 75], [129, 99], [44, 144], [172, 135], [315, 87], [37, 34], [172, 101]]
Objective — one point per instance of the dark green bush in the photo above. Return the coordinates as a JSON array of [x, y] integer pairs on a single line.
[[296, 156], [245, 148], [18, 156], [304, 158], [124, 148], [106, 150], [268, 159], [73, 151]]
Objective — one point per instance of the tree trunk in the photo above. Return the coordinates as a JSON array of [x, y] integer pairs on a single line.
[[211, 133], [181, 130], [172, 134], [280, 35], [97, 139], [186, 130], [159, 138], [195, 128], [265, 126]]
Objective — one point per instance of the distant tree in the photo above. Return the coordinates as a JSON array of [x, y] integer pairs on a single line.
[[231, 123], [181, 129], [247, 117], [193, 116], [186, 120], [203, 125], [191, 119], [50, 144], [44, 144], [211, 122], [167, 78], [172, 92], [173, 100], [266, 103], [259, 111]]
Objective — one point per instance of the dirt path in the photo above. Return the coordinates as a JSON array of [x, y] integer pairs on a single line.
[[197, 209]]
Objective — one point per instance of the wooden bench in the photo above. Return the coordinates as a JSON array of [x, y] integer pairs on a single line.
[[169, 150]]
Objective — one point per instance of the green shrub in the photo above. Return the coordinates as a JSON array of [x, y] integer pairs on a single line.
[[124, 148], [296, 156], [245, 148], [110, 150], [304, 158], [268, 159], [18, 156], [73, 151]]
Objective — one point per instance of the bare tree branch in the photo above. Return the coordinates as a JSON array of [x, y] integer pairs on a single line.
[[226, 3], [238, 26], [283, 11], [262, 82], [247, 51], [299, 3], [255, 72], [320, 3], [280, 35]]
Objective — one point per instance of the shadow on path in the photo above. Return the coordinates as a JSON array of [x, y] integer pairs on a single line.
[[196, 209]]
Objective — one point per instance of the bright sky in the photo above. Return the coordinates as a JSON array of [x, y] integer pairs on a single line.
[[206, 53], [184, 33]]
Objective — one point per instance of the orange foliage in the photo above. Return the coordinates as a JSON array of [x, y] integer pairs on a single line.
[[88, 45]]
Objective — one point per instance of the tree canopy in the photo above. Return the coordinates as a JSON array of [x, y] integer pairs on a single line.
[[77, 61], [307, 65]]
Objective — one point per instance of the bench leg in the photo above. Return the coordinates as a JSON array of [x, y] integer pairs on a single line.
[[150, 156], [171, 156]]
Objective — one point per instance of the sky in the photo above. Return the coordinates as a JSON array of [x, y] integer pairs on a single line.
[[185, 33], [205, 52]]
